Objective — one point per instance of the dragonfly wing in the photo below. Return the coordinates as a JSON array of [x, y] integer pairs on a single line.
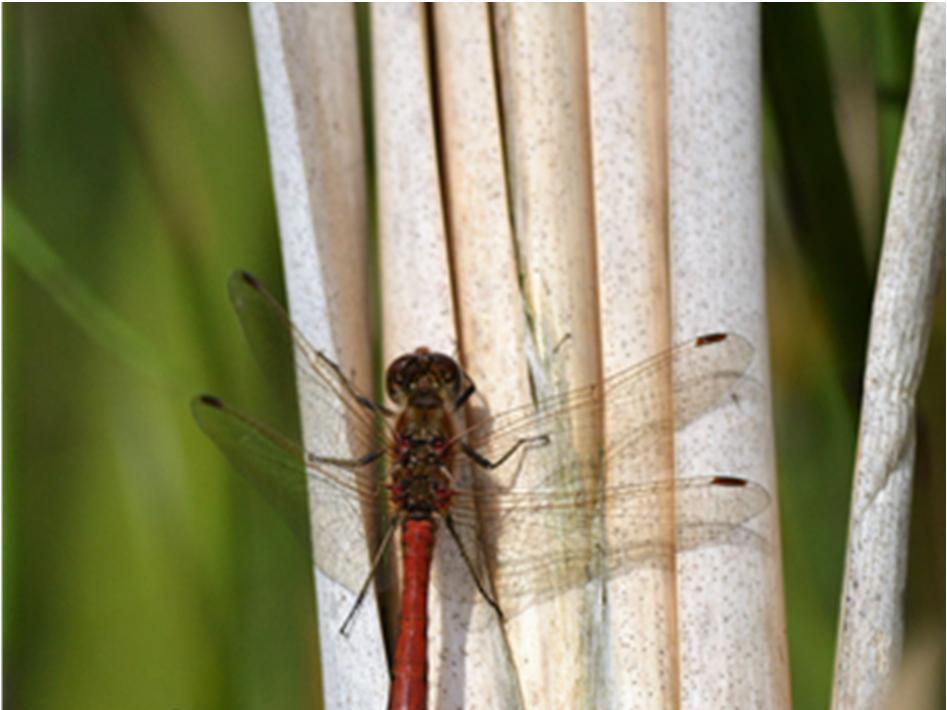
[[590, 515], [700, 373], [542, 542], [697, 374], [280, 470], [344, 414]]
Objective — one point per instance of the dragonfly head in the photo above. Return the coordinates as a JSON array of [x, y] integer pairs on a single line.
[[424, 379]]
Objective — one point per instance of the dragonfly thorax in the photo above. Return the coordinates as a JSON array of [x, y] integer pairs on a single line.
[[421, 492]]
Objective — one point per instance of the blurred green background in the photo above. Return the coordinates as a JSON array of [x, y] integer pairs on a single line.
[[139, 571]]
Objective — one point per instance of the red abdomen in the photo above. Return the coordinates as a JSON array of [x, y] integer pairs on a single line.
[[409, 684]]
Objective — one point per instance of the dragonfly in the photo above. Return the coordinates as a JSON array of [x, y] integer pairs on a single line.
[[592, 509]]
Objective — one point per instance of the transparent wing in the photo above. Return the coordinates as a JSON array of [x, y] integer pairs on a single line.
[[348, 421], [278, 468], [574, 526], [540, 539], [544, 541], [699, 371]]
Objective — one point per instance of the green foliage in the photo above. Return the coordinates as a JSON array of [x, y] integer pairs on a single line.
[[820, 200], [138, 570]]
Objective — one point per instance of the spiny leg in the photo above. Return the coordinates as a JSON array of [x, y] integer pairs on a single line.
[[478, 458], [481, 460], [379, 553], [466, 394], [470, 566], [347, 463], [364, 401]]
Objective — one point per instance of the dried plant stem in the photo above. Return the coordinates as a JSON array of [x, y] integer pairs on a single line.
[[731, 621], [525, 155], [912, 259], [627, 105], [541, 55]]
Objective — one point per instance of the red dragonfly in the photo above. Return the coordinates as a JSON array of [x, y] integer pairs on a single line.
[[538, 540]]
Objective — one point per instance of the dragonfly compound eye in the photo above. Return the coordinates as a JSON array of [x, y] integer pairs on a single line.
[[398, 378], [447, 372]]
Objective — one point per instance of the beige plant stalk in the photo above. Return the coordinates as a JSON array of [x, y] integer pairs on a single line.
[[730, 611], [912, 259], [628, 109], [563, 191]]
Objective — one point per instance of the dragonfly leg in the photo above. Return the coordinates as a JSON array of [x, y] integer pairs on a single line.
[[470, 566], [393, 524], [364, 401], [373, 406], [481, 460], [348, 463], [466, 394]]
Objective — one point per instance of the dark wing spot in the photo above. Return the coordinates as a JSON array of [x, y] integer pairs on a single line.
[[211, 401], [730, 481], [249, 279], [710, 338]]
